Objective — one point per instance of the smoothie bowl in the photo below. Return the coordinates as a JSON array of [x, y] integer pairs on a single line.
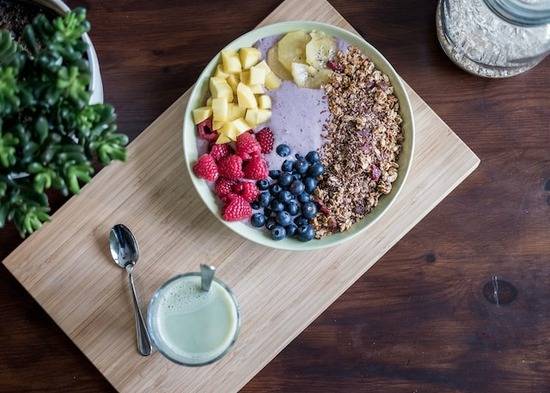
[[298, 135]]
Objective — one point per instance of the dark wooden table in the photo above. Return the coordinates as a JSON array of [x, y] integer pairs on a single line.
[[421, 320]]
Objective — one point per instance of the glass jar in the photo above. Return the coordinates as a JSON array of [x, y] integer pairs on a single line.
[[494, 38]]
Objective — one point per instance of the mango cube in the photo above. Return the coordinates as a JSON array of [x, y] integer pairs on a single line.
[[257, 89], [216, 125], [263, 65], [241, 125], [229, 130], [235, 111], [257, 116], [220, 109], [231, 62], [257, 76], [222, 139], [245, 77], [220, 88], [220, 73], [249, 57], [264, 102], [245, 97], [233, 80], [209, 101], [272, 81], [201, 114]]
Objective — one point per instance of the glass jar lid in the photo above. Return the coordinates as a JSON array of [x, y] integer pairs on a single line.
[[522, 12]]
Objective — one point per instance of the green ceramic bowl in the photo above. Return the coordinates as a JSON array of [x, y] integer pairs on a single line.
[[199, 94]]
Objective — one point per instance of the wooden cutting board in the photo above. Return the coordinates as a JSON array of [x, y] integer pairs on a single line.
[[66, 265]]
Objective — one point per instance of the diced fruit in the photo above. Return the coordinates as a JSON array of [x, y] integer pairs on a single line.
[[308, 76], [231, 62], [219, 151], [320, 78], [262, 64], [206, 168], [264, 102], [209, 101], [300, 74], [220, 109], [245, 96], [257, 89], [241, 125], [233, 80], [201, 114], [220, 88], [320, 49], [272, 81], [237, 209], [249, 57], [292, 48], [220, 73], [206, 130], [257, 116], [245, 77], [230, 167], [229, 130], [247, 146], [255, 168], [223, 139], [257, 76], [265, 139], [235, 111], [217, 125], [276, 66]]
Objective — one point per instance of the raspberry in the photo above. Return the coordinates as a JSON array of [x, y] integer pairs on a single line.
[[248, 191], [237, 209], [204, 128], [231, 167], [334, 66], [256, 168], [375, 172], [265, 139], [206, 168], [219, 151], [247, 146], [224, 188]]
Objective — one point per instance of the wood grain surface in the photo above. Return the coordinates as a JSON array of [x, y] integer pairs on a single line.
[[419, 321]]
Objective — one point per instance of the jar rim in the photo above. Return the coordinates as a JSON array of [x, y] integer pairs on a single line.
[[528, 13]]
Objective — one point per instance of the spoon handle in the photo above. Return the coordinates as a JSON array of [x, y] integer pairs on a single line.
[[143, 341]]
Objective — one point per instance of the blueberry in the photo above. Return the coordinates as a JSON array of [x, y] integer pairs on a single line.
[[310, 183], [301, 166], [283, 218], [275, 189], [283, 150], [291, 229], [312, 157], [270, 223], [278, 232], [292, 208], [263, 184], [285, 179], [300, 221], [255, 205], [316, 169], [298, 156], [287, 165], [303, 198], [277, 206], [309, 210], [264, 199], [274, 173], [305, 233], [285, 196], [258, 220], [297, 187], [296, 176], [267, 212]]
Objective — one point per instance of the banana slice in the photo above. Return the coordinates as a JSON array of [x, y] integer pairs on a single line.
[[320, 49], [275, 65], [292, 48], [307, 76]]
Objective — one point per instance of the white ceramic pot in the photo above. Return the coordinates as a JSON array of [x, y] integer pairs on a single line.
[[96, 86]]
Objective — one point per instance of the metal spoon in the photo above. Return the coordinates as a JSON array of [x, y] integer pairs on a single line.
[[207, 275], [125, 253]]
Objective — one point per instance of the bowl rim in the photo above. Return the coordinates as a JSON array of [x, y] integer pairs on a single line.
[[405, 109]]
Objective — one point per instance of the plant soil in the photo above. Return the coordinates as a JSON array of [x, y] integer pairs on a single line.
[[15, 15]]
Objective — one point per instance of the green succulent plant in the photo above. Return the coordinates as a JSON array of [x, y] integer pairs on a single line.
[[50, 134]]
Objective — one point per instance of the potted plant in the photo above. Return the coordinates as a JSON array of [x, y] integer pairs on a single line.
[[51, 131]]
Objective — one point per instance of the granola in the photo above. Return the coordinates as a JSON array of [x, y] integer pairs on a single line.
[[364, 139]]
